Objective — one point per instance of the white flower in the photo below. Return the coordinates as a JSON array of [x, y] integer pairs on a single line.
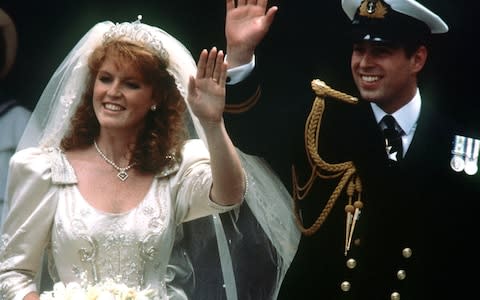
[[108, 290]]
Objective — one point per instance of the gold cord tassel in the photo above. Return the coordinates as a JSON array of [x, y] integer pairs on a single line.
[[322, 169]]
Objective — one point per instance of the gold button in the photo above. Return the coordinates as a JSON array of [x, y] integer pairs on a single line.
[[351, 263], [345, 286], [395, 296], [401, 274], [407, 252]]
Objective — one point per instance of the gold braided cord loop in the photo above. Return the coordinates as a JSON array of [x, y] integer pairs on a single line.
[[319, 167], [321, 89]]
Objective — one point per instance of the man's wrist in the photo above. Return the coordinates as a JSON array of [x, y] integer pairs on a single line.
[[239, 73]]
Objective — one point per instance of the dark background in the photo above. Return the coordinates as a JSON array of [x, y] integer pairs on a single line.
[[306, 41]]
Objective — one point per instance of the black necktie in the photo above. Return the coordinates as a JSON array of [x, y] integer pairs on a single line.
[[393, 139]]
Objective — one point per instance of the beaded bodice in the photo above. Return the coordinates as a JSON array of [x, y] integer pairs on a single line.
[[90, 245]]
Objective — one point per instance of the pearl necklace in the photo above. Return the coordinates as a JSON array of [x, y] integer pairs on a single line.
[[122, 172]]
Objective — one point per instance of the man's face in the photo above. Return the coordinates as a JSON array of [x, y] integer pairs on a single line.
[[384, 74]]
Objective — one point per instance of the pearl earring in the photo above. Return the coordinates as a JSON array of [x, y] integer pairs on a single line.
[[153, 107]]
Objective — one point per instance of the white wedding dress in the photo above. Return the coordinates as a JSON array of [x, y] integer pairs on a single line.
[[90, 245]]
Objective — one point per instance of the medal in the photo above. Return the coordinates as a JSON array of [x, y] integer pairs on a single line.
[[471, 159], [471, 166], [465, 155], [457, 163]]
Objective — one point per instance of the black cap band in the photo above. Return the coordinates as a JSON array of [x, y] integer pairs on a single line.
[[393, 28]]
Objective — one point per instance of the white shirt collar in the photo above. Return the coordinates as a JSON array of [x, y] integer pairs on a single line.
[[406, 116]]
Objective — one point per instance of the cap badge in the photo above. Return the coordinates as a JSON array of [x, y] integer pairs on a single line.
[[376, 9]]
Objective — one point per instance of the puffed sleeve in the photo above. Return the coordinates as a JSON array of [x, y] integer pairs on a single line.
[[192, 183], [26, 231]]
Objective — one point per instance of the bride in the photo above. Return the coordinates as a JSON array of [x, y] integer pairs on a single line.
[[126, 143]]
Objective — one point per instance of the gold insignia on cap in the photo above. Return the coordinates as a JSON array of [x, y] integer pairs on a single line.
[[376, 9]]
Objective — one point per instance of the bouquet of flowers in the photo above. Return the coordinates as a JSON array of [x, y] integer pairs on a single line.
[[108, 290]]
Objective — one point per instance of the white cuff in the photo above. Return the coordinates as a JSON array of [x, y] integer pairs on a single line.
[[239, 73]]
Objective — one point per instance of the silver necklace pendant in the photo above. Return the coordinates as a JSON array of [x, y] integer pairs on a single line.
[[122, 172], [122, 175]]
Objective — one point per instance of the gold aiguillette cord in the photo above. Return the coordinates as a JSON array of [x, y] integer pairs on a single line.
[[322, 169]]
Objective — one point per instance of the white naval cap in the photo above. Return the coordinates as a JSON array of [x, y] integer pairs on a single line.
[[392, 20]]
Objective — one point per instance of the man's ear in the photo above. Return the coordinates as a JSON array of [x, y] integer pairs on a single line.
[[419, 58]]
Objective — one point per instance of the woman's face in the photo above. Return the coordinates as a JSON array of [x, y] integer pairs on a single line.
[[121, 97]]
